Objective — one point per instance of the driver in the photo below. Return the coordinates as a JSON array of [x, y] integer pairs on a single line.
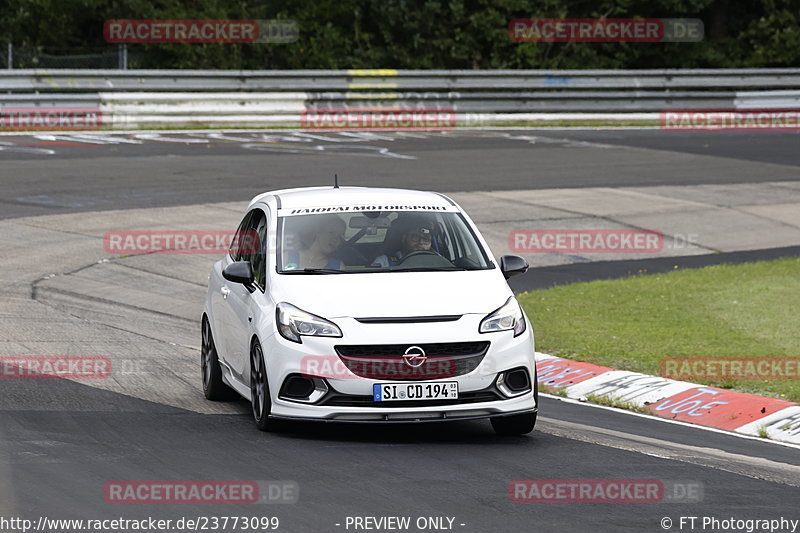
[[416, 237]]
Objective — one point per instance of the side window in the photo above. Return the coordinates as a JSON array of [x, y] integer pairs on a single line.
[[236, 247], [255, 252], [454, 242]]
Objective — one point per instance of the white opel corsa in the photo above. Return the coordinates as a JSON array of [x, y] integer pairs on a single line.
[[367, 305]]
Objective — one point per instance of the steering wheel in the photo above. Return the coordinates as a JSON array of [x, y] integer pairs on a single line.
[[425, 259], [417, 253]]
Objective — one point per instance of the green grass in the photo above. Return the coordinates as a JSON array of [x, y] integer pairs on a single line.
[[608, 401], [748, 310], [560, 391]]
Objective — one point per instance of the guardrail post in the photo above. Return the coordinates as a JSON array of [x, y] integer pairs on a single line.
[[122, 55]]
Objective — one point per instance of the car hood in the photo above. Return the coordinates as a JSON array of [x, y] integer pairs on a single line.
[[393, 294]]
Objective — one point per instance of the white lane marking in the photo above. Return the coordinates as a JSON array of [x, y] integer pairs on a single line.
[[642, 389], [365, 135], [67, 138], [251, 136], [266, 137], [110, 139], [162, 138], [282, 149], [671, 421], [783, 425], [325, 138], [11, 147], [88, 138], [569, 143], [232, 138], [335, 143], [745, 465], [342, 149], [398, 133]]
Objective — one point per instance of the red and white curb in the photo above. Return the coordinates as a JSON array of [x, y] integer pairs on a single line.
[[677, 400]]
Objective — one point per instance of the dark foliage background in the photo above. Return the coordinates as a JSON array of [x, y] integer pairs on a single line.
[[407, 34]]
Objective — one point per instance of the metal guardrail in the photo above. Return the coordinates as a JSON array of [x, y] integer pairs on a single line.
[[135, 98], [370, 79]]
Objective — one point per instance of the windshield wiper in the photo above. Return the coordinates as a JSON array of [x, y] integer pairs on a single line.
[[315, 271], [374, 270], [427, 269]]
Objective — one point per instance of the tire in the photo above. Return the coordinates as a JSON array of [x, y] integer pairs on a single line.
[[259, 389], [514, 424], [213, 386]]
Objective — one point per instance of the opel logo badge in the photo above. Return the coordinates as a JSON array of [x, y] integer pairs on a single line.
[[415, 356]]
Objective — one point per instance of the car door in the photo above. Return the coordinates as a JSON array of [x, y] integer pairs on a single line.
[[220, 290], [240, 300]]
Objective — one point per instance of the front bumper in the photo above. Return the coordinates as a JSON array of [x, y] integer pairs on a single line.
[[344, 396]]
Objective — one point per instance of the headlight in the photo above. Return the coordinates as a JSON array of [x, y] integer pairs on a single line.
[[293, 322], [508, 317]]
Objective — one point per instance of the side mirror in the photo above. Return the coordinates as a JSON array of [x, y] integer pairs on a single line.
[[511, 265], [240, 272]]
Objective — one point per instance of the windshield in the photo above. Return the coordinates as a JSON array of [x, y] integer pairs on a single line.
[[377, 241]]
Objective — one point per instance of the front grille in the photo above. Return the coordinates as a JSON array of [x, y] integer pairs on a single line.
[[385, 361], [351, 400], [451, 349], [408, 319]]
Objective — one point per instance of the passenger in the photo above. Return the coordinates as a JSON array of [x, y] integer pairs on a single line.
[[318, 241], [416, 236]]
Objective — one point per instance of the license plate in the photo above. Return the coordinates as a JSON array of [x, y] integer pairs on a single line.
[[399, 392]]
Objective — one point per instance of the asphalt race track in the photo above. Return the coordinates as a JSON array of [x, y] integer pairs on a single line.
[[161, 169], [61, 441]]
